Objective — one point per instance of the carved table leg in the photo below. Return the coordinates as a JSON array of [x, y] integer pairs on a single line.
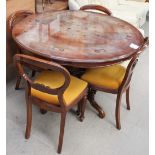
[[94, 104]]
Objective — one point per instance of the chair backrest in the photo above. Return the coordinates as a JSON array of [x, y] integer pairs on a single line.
[[17, 16], [26, 60], [96, 7], [131, 66]]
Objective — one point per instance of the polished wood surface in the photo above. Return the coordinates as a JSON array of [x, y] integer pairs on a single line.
[[78, 38]]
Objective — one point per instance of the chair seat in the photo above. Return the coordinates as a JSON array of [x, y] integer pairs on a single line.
[[53, 80], [106, 77]]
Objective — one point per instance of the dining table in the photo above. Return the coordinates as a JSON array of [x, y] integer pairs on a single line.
[[78, 39]]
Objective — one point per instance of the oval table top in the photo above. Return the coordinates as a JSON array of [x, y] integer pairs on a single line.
[[78, 38]]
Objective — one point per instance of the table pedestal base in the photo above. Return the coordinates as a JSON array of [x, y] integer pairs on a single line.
[[94, 104]]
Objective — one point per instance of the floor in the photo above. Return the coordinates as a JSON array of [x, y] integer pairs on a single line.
[[94, 136]]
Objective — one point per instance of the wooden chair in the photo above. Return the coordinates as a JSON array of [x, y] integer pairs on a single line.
[[54, 89], [13, 19], [113, 79], [97, 7]]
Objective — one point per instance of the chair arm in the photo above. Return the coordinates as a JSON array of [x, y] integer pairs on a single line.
[[96, 7]]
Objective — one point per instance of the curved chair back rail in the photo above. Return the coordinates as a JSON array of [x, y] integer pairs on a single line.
[[96, 7], [130, 68], [17, 16], [21, 60]]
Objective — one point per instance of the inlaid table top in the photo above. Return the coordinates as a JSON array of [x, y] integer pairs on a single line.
[[78, 38]]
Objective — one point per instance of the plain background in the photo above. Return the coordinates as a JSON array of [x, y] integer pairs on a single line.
[[3, 77]]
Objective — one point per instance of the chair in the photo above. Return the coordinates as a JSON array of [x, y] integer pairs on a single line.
[[96, 8], [113, 79], [132, 13], [13, 19], [54, 89]]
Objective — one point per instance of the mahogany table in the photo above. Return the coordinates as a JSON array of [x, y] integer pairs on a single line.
[[78, 39]]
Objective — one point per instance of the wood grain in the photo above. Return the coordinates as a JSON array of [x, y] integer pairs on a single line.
[[78, 38]]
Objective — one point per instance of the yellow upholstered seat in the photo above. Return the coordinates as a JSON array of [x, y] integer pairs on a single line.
[[53, 80], [107, 77]]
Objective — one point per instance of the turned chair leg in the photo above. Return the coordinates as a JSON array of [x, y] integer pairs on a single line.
[[18, 76], [61, 135], [83, 107], [127, 98], [18, 82], [29, 120], [78, 112], [117, 111]]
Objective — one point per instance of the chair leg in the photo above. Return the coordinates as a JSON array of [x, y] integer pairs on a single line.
[[61, 135], [78, 112], [33, 73], [29, 120], [117, 111], [128, 98], [83, 107], [18, 82]]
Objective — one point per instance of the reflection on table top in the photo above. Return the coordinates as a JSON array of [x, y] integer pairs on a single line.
[[78, 36]]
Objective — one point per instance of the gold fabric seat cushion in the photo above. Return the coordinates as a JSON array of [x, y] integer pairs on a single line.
[[105, 77], [53, 80]]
